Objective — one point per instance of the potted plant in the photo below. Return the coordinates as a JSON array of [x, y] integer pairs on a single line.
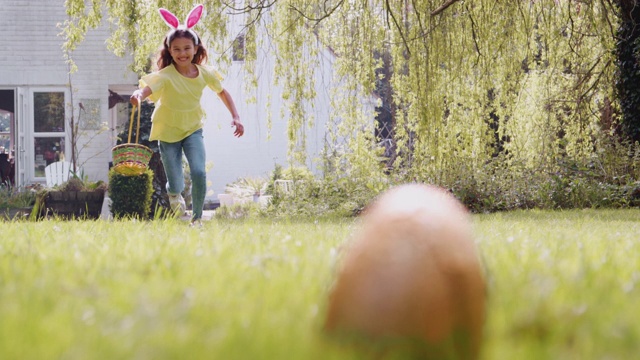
[[75, 198], [16, 203]]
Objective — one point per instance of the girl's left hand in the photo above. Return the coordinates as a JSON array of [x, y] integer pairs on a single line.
[[239, 131], [135, 98]]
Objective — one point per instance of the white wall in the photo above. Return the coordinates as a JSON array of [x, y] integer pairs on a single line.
[[30, 46], [31, 56], [257, 152]]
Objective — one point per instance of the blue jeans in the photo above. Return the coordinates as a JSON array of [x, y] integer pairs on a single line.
[[171, 153]]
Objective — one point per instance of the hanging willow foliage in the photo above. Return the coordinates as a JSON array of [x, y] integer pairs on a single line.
[[525, 81], [136, 27]]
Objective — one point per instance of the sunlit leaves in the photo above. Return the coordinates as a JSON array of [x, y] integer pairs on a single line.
[[525, 77]]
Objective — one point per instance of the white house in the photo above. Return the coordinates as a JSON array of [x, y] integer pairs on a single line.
[[36, 103]]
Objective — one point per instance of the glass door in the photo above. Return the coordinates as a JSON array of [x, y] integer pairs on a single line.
[[49, 129]]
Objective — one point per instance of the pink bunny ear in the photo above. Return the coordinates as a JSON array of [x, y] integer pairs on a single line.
[[169, 18], [194, 16]]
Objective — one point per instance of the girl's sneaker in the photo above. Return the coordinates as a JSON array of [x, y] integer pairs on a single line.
[[177, 204]]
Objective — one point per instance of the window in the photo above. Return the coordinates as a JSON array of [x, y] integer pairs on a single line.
[[239, 48], [48, 109], [6, 125], [49, 129]]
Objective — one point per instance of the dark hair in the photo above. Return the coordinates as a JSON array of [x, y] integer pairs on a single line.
[[165, 58]]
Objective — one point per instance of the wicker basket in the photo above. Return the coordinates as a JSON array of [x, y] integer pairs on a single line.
[[131, 159]]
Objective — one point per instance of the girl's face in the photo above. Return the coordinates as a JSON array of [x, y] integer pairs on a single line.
[[182, 50]]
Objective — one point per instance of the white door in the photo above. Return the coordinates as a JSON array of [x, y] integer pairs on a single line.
[[46, 130]]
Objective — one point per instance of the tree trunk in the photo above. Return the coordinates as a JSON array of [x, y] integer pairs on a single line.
[[628, 54], [159, 199]]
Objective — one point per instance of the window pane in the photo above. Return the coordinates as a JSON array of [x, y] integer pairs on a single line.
[[47, 150], [5, 144], [48, 111], [123, 111], [5, 121], [238, 48]]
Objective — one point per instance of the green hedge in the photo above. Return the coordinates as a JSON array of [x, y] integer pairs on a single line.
[[130, 195]]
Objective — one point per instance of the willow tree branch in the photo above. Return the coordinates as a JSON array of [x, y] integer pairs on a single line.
[[260, 5], [474, 26], [327, 12], [415, 6], [443, 7], [395, 22], [606, 8]]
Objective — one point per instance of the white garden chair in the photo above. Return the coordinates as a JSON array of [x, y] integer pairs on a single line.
[[284, 186], [57, 173]]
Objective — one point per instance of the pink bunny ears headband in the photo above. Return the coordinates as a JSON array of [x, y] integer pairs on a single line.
[[192, 19]]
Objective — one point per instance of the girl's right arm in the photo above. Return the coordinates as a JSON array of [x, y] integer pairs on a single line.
[[139, 95]]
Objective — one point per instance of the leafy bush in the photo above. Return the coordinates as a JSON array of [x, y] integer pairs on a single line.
[[237, 211], [607, 179], [130, 195], [73, 184], [14, 198], [331, 198], [246, 188], [79, 182]]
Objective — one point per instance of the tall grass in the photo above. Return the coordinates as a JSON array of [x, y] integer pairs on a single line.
[[561, 285], [149, 290]]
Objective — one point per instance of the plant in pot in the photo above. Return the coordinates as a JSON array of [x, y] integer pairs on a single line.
[[75, 198], [16, 203]]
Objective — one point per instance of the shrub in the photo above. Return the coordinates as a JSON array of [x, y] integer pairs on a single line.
[[237, 211], [14, 198], [248, 187], [130, 195], [329, 198], [501, 185]]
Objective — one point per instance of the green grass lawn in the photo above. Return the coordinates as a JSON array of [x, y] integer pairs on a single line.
[[562, 285]]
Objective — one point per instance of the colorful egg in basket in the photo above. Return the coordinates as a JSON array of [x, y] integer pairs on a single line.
[[131, 159]]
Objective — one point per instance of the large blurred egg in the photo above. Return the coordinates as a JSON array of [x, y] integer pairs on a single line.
[[412, 272]]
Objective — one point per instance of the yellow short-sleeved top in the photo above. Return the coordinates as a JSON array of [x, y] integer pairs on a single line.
[[178, 112]]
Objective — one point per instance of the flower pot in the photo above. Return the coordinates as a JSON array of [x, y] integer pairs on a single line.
[[15, 213], [74, 204]]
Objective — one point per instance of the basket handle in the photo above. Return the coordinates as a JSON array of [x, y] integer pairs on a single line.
[[131, 124]]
